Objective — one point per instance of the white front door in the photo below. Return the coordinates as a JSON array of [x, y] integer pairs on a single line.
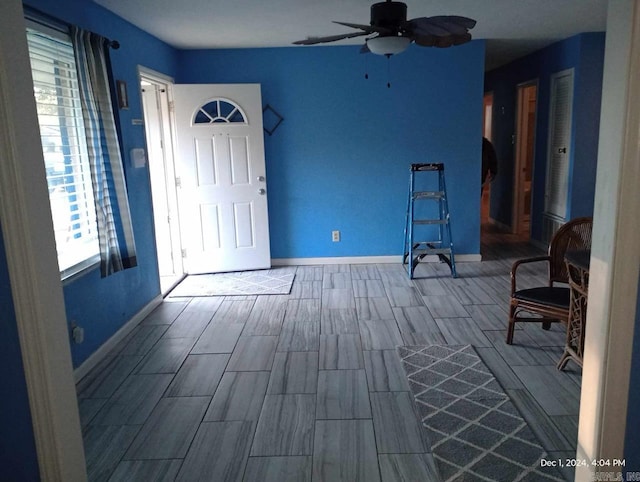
[[221, 170]]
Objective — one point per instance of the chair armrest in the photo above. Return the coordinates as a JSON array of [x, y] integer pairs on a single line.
[[517, 264]]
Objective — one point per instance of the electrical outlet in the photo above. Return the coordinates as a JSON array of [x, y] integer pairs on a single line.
[[335, 236]]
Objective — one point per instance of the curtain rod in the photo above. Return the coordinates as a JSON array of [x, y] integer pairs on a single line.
[[55, 23]]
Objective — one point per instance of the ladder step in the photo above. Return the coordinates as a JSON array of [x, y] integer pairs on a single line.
[[431, 221], [428, 194], [430, 166], [431, 251]]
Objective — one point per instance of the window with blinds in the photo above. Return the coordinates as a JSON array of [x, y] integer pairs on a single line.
[[63, 139]]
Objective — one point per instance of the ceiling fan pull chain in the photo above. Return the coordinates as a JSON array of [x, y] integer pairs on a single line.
[[388, 71]]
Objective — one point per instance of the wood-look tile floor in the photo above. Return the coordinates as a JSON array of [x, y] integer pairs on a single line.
[[307, 386]]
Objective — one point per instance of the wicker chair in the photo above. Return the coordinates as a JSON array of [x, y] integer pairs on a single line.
[[551, 302]]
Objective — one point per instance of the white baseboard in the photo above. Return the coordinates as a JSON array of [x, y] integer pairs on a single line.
[[335, 260], [364, 260], [97, 356]]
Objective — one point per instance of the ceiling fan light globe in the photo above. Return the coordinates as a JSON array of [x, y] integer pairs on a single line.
[[389, 45]]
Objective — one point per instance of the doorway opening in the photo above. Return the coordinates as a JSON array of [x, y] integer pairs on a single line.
[[156, 102], [487, 131], [524, 156]]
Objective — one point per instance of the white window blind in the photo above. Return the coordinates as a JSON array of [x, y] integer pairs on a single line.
[[63, 139]]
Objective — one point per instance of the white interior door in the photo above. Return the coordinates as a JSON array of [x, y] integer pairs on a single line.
[[223, 198], [557, 183]]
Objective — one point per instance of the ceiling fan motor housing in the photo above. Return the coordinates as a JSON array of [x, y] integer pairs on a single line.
[[389, 15]]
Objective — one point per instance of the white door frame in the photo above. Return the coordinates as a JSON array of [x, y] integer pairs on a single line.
[[168, 166], [519, 156], [36, 288], [615, 253]]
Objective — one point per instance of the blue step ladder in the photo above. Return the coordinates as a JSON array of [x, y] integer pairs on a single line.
[[415, 251]]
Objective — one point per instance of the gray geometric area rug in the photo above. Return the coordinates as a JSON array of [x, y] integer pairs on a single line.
[[476, 432], [275, 281]]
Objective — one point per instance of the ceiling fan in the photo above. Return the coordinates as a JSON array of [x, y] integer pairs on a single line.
[[391, 32]]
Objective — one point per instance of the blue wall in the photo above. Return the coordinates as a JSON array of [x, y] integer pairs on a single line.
[[586, 125], [102, 306], [18, 458], [340, 159], [585, 54]]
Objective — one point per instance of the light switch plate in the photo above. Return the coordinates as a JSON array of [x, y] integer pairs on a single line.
[[138, 157]]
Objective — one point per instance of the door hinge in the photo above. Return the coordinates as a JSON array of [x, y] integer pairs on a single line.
[[172, 106], [184, 253], [178, 182]]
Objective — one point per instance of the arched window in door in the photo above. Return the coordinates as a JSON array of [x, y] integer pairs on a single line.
[[219, 111]]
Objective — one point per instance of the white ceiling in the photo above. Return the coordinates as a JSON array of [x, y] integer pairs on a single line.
[[512, 28]]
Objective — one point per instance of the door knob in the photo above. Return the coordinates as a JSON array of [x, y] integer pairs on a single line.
[[262, 191]]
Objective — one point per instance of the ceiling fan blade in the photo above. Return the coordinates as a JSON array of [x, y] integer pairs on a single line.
[[465, 22], [425, 40], [449, 25], [442, 25], [366, 28], [424, 26], [441, 41], [330, 38], [462, 39]]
